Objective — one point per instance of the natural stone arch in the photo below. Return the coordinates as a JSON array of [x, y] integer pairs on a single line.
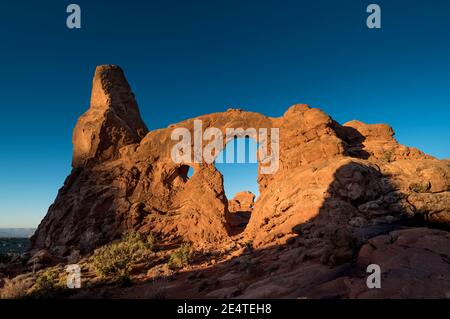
[[196, 210], [121, 177]]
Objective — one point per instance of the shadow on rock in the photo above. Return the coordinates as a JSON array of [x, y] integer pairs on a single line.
[[363, 220]]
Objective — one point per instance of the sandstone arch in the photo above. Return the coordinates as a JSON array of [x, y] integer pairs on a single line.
[[123, 176]]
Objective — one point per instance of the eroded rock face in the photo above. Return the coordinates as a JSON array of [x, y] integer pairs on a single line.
[[349, 177], [112, 121]]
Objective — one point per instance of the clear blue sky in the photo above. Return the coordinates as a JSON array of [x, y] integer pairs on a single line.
[[189, 57]]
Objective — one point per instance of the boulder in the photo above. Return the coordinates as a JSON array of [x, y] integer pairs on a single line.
[[241, 202]]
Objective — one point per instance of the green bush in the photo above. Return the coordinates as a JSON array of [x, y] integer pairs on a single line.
[[387, 157], [50, 284], [115, 260], [181, 257], [46, 281]]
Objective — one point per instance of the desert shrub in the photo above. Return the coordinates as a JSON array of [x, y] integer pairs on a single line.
[[181, 257], [46, 283], [51, 283], [115, 259], [14, 289], [387, 157]]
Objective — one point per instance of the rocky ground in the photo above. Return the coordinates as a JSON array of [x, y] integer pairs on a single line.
[[344, 197], [414, 263]]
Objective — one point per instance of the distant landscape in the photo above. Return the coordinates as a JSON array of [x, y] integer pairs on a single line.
[[15, 240], [13, 245], [16, 232]]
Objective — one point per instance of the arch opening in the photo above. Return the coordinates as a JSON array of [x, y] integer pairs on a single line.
[[238, 164], [184, 172]]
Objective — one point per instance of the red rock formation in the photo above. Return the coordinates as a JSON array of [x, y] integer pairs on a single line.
[[241, 202], [331, 176], [112, 121]]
